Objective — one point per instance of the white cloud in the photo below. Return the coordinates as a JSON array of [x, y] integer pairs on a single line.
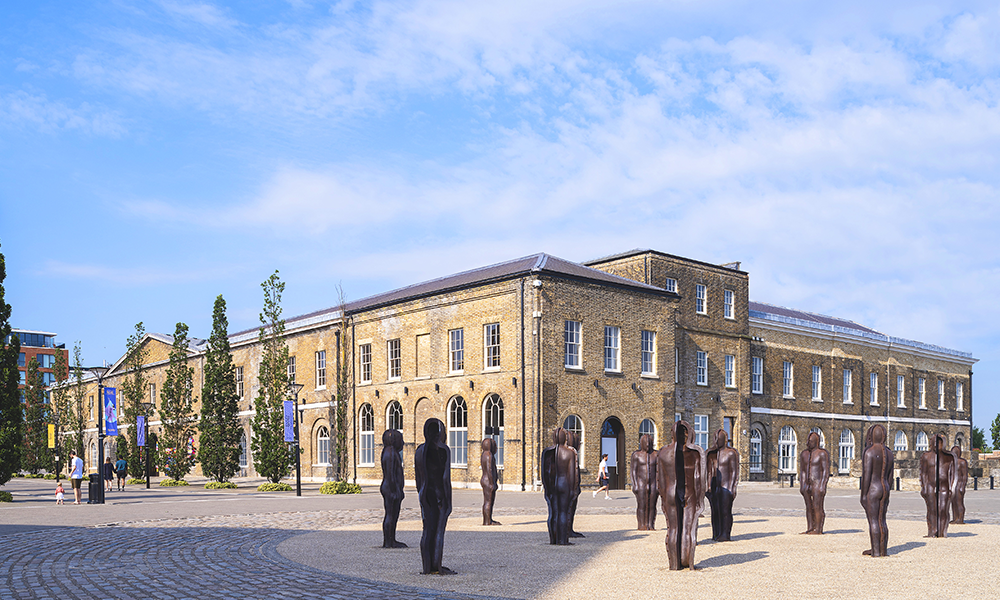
[[35, 110]]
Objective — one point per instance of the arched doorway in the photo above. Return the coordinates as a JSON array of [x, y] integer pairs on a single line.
[[613, 444]]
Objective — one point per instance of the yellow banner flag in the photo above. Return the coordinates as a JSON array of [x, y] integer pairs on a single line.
[[52, 435]]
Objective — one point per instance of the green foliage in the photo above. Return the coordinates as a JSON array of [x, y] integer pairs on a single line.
[[34, 476], [339, 487], [173, 482], [135, 481], [121, 451], [60, 403], [50, 475], [11, 416], [345, 361], [176, 412], [77, 422], [274, 487], [6, 497], [35, 455], [135, 391], [220, 485], [995, 432], [220, 425], [271, 455], [978, 438]]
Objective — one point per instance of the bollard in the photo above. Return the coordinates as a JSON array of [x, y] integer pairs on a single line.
[[791, 480], [975, 484], [897, 484], [991, 482]]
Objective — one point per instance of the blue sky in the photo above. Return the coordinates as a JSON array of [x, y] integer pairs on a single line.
[[156, 154]]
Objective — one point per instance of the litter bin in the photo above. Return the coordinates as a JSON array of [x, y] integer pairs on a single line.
[[93, 488]]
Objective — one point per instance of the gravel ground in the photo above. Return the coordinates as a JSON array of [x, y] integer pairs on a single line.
[[767, 558]]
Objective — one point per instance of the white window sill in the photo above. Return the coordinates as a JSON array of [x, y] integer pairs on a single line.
[[730, 387], [758, 393], [455, 373], [422, 377], [366, 465], [573, 367], [649, 375], [873, 404], [365, 382], [900, 406], [321, 388], [613, 371], [817, 400], [324, 465], [922, 408], [393, 379], [756, 470], [705, 384], [460, 466], [491, 369], [730, 318], [960, 409], [789, 397], [702, 313]]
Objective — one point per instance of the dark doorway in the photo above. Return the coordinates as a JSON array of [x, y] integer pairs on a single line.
[[613, 444]]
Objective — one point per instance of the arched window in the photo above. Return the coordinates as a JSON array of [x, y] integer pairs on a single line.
[[846, 450], [960, 441], [922, 443], [394, 416], [366, 421], [573, 424], [756, 451], [822, 438], [323, 446], [648, 427], [243, 451], [787, 449], [901, 444], [458, 431], [493, 423]]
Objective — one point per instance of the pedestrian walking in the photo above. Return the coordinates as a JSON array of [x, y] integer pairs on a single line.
[[121, 468], [109, 473], [60, 493], [76, 474], [602, 477]]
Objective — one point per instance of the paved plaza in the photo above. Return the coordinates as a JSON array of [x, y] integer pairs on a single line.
[[197, 543]]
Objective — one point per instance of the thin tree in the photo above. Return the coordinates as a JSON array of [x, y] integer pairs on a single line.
[[60, 403], [78, 409], [11, 417], [271, 454], [35, 455], [345, 358], [134, 393], [176, 410], [995, 432], [220, 427]]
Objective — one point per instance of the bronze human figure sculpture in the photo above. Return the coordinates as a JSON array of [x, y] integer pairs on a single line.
[[560, 480], [488, 461], [642, 467], [392, 486], [958, 486], [814, 474], [432, 463], [723, 476], [937, 470], [574, 440], [876, 483], [681, 480]]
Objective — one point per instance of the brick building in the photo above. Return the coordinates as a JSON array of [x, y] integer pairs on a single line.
[[611, 348], [41, 346]]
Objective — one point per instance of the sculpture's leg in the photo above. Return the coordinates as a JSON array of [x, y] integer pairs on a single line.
[[715, 502], [428, 540], [726, 518], [819, 520], [930, 502], [551, 521], [439, 544], [673, 539], [944, 503]]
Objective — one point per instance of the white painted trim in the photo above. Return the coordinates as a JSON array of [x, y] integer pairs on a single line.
[[761, 410]]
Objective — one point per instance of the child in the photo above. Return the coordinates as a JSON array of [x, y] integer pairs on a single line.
[[59, 493]]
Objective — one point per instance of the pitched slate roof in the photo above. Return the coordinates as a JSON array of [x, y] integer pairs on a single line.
[[765, 309]]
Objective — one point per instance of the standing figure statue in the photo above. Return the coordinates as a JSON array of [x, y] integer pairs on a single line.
[[489, 480], [560, 480], [643, 476], [958, 486], [574, 440], [392, 486], [723, 476], [937, 470], [432, 463], [814, 474], [682, 481], [876, 483]]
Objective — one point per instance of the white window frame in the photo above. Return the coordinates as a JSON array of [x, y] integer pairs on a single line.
[[572, 344], [727, 304], [239, 385], [923, 443], [900, 392], [321, 370], [576, 427], [648, 427], [493, 410], [756, 450], [323, 447], [845, 451], [291, 369], [394, 360], [873, 388], [922, 392], [700, 299], [392, 415], [848, 386], [730, 371], [817, 383], [822, 436], [612, 348], [244, 453], [898, 446], [670, 285], [456, 350], [701, 368], [959, 396], [788, 379], [941, 405], [491, 346], [648, 357], [701, 430], [788, 444], [152, 387], [366, 436], [365, 362], [756, 375], [458, 432]]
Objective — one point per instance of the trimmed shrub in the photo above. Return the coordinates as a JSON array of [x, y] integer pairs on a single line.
[[339, 487], [220, 485], [135, 481], [6, 497], [173, 482], [274, 487], [50, 475], [34, 476]]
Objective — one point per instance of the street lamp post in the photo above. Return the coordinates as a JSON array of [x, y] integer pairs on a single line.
[[99, 373], [293, 390], [147, 408]]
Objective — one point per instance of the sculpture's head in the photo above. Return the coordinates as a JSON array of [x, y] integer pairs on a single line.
[[939, 442], [681, 432], [388, 439], [957, 451], [721, 438], [489, 445], [559, 436], [877, 434], [432, 430], [645, 442], [812, 442], [573, 439], [397, 440]]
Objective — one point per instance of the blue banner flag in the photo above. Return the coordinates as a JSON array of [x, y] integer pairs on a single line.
[[140, 428], [289, 420], [110, 412]]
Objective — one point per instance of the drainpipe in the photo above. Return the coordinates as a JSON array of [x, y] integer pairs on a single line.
[[538, 365], [888, 397], [970, 413], [524, 442], [354, 408]]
